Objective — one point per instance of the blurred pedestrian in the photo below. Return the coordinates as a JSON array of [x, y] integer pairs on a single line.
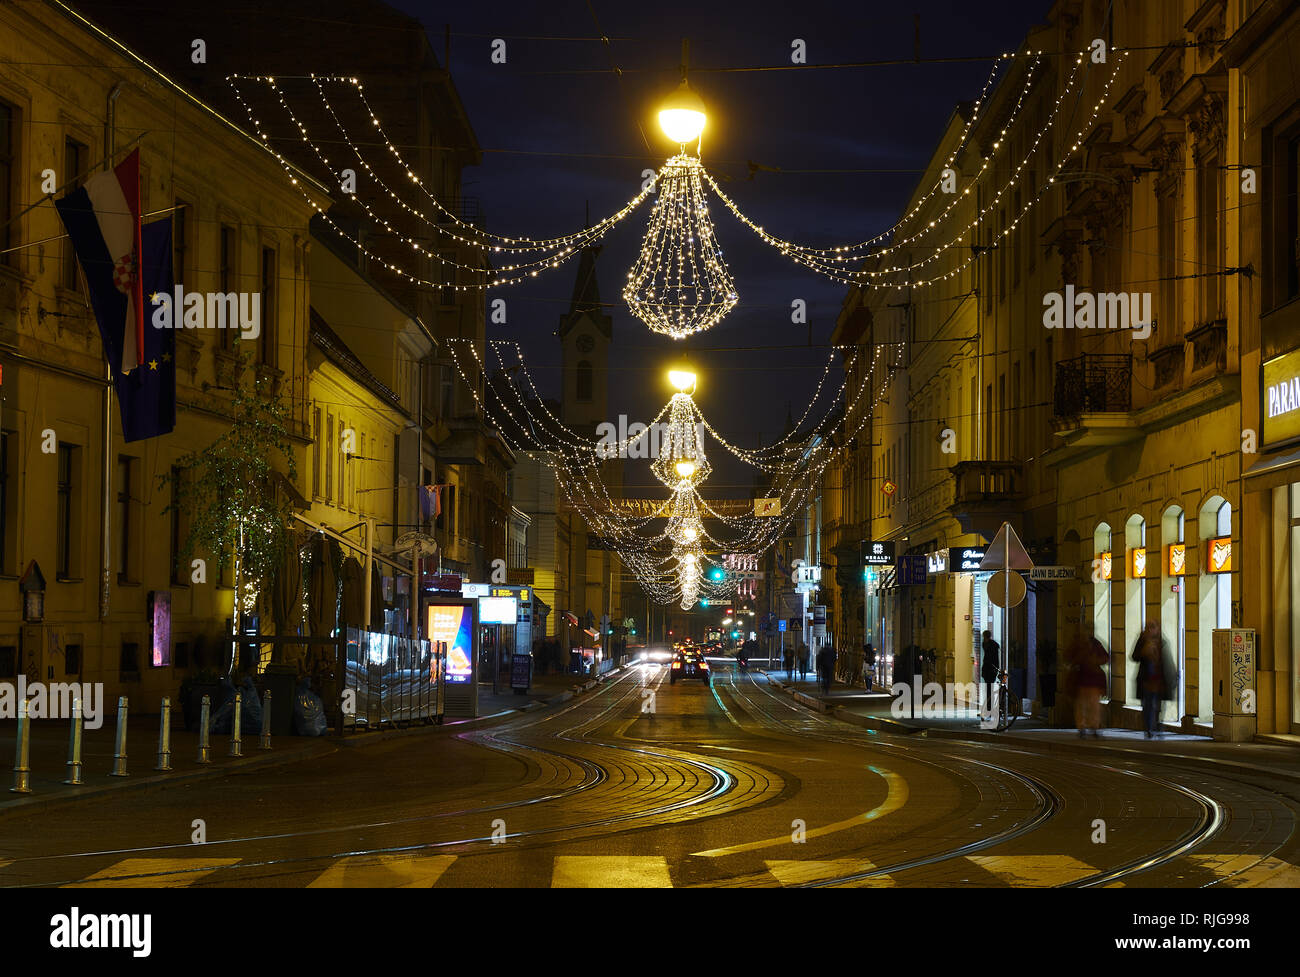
[[803, 661], [790, 658], [990, 667], [1086, 681], [826, 667], [869, 663], [1157, 677]]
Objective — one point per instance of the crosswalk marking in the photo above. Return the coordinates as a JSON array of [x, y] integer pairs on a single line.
[[1249, 871], [789, 872], [401, 871], [1034, 870], [611, 872], [152, 873]]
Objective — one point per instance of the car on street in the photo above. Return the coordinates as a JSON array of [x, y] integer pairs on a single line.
[[690, 663]]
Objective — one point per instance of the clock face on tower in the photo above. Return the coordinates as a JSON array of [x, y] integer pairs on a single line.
[[585, 344]]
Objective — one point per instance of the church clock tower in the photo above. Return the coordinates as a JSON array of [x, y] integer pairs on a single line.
[[585, 333]]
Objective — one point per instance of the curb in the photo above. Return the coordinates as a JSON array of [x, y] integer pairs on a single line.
[[879, 725], [32, 804]]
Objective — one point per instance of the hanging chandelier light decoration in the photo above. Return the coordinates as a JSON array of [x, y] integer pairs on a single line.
[[680, 283]]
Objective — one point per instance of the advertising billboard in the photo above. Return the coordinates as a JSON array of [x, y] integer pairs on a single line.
[[497, 610], [454, 624]]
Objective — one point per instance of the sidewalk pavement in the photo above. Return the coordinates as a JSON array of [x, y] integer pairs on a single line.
[[874, 710], [48, 747]]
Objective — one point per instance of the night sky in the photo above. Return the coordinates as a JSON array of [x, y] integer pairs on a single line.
[[560, 133]]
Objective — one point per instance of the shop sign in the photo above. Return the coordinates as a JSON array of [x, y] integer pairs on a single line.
[[966, 559], [936, 562], [878, 553], [1280, 392], [1106, 565], [1177, 559], [1137, 564], [1220, 555]]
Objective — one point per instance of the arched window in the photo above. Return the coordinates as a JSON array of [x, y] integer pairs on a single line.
[[1103, 572], [1173, 607], [584, 380], [1214, 608], [1135, 602]]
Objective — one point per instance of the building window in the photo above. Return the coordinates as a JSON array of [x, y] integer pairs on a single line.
[[315, 455], [1210, 194], [182, 654], [129, 663], [328, 448], [67, 496], [584, 381], [8, 661], [266, 339], [446, 276], [1291, 248], [72, 659], [180, 240], [227, 273], [74, 164], [7, 521], [179, 577], [126, 479], [8, 163]]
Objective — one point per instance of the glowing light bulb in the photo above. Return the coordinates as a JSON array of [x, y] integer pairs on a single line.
[[682, 379], [682, 115]]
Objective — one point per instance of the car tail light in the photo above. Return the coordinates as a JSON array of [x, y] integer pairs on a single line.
[[704, 666], [677, 664]]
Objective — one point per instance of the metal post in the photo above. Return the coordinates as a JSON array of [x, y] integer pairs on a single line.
[[264, 741], [119, 746], [165, 735], [22, 753], [74, 745], [1004, 653], [235, 741], [204, 752]]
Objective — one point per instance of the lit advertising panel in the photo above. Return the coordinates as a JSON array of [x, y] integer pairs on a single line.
[[454, 624], [1280, 395], [1177, 559], [1220, 555], [160, 627], [1138, 564], [497, 610]]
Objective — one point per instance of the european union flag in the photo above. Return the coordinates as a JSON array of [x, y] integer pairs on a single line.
[[147, 395]]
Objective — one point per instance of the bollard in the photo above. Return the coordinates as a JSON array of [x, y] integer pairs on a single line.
[[22, 754], [119, 746], [165, 735], [204, 752], [74, 745], [235, 741], [264, 741]]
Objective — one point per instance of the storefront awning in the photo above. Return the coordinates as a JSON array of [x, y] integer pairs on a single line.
[[1269, 474]]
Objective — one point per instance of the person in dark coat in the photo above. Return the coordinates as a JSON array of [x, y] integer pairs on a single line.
[[790, 659], [826, 667], [869, 663], [991, 665], [803, 661], [1086, 681], [1157, 676]]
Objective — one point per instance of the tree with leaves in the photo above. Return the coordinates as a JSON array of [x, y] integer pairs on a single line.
[[228, 494]]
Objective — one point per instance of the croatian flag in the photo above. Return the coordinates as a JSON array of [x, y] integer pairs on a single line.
[[103, 222]]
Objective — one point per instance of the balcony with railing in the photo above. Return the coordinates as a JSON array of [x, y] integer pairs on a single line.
[[986, 493], [1093, 400]]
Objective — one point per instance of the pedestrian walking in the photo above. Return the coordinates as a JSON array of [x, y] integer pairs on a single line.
[[990, 667], [1086, 681], [869, 663], [803, 661], [790, 658], [826, 667], [1157, 676]]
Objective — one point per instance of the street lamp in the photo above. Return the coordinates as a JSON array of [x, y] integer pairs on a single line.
[[682, 115], [683, 380]]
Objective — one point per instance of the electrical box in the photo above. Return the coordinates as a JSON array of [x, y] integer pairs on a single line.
[[1235, 696]]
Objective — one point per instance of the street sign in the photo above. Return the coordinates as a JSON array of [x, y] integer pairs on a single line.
[[1052, 573], [911, 570], [1006, 552], [999, 584], [781, 624]]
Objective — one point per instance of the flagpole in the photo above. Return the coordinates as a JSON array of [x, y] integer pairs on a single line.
[[108, 483]]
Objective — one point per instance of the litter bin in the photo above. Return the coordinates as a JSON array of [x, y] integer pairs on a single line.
[[280, 681]]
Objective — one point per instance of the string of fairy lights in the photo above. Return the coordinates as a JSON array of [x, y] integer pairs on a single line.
[[687, 571], [679, 284]]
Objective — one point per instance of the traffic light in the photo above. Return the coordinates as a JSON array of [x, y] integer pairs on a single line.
[[704, 602], [729, 612], [717, 574]]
